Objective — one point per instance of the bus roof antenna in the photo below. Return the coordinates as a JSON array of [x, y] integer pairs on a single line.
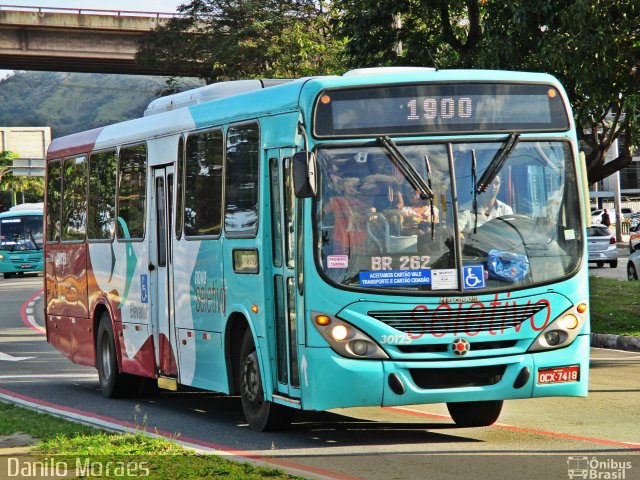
[[435, 65]]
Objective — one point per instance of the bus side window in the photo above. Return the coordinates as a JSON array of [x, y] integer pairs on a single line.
[[241, 193], [74, 209], [54, 187], [179, 211], [203, 184], [101, 216], [132, 176]]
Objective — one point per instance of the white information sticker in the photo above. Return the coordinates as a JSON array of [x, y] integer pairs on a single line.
[[338, 261], [569, 234], [445, 279]]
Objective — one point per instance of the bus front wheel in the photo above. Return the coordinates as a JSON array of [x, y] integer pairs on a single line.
[[261, 415], [475, 414], [113, 384]]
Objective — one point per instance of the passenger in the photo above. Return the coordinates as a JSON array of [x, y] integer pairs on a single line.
[[383, 188], [488, 208], [418, 211], [350, 218]]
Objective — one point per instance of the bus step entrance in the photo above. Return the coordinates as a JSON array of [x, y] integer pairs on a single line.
[[168, 383]]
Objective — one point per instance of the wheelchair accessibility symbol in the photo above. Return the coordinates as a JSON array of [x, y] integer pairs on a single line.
[[473, 276]]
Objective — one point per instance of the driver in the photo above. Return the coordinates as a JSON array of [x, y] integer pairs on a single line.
[[488, 208]]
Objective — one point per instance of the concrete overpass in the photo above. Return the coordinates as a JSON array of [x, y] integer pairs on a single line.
[[73, 40]]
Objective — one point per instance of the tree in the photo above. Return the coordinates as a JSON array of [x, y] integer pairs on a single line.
[[388, 32], [231, 39], [34, 186], [592, 46]]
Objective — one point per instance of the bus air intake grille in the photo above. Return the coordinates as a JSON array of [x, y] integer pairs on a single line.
[[31, 259], [434, 378], [457, 320], [445, 347]]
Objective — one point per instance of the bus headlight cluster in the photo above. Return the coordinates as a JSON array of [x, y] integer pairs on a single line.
[[345, 339], [563, 330]]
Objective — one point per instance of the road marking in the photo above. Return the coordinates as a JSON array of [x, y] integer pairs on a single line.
[[5, 357], [27, 316], [113, 424], [77, 376], [631, 445]]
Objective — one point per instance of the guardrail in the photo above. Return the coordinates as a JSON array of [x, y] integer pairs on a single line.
[[90, 11]]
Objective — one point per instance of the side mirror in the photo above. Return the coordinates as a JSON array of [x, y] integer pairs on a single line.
[[304, 174]]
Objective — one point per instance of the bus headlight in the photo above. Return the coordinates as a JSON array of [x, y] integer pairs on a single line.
[[1, 256], [562, 331], [345, 339]]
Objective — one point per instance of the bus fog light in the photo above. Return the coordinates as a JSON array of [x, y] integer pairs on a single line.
[[552, 337], [569, 322], [359, 347], [339, 332]]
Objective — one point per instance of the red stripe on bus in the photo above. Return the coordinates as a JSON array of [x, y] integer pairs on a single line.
[[82, 142], [631, 445], [23, 313], [181, 438]]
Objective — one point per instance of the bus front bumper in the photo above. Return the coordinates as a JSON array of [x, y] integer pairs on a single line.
[[331, 381]]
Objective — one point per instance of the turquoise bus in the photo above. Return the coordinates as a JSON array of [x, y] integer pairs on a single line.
[[386, 237], [21, 239]]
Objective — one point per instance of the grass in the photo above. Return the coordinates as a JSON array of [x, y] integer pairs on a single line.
[[615, 306], [97, 453]]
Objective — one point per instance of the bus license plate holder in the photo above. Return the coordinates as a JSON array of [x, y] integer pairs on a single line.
[[26, 265], [559, 375]]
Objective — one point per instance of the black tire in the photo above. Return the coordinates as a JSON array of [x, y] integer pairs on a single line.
[[475, 414], [113, 384], [261, 415], [7, 275], [600, 264], [632, 273], [613, 264]]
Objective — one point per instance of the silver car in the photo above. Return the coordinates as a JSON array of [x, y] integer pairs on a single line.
[[633, 267], [601, 245]]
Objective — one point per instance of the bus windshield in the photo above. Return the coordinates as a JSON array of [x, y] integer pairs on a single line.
[[21, 233], [521, 228]]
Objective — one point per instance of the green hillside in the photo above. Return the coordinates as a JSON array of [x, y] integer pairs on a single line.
[[72, 102]]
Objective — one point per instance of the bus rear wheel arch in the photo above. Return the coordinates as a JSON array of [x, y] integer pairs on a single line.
[[475, 414], [114, 383], [261, 414]]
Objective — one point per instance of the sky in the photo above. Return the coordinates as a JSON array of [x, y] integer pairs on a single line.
[[164, 6]]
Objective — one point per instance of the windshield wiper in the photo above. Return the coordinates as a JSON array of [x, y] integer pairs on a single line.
[[408, 170], [33, 240], [497, 162]]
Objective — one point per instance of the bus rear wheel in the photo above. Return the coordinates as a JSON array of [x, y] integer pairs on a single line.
[[475, 414], [261, 415], [113, 384]]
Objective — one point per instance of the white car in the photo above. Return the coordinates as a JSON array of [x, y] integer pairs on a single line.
[[633, 267], [601, 246]]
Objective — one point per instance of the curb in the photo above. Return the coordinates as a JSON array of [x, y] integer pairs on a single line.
[[617, 342]]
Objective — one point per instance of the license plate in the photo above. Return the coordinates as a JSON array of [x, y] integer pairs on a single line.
[[559, 375], [26, 265]]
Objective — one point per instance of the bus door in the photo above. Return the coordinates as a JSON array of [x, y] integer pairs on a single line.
[[285, 324], [161, 271]]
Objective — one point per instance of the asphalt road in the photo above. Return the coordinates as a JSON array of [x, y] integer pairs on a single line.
[[536, 438], [618, 273]]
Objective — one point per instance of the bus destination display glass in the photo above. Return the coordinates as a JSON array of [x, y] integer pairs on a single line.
[[439, 108]]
